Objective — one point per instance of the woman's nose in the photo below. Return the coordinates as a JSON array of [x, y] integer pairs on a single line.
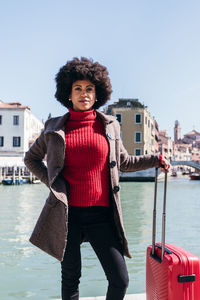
[[84, 92]]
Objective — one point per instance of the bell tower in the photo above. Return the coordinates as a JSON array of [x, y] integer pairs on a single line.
[[177, 132]]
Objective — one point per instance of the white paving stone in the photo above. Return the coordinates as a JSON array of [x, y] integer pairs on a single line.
[[127, 297]]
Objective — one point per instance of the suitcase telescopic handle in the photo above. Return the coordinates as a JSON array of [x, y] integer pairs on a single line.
[[163, 215]]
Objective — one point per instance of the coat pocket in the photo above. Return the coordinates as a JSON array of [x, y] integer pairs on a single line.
[[42, 221], [50, 230]]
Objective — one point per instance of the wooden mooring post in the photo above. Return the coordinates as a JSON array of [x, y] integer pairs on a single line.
[[1, 174], [13, 175], [18, 175]]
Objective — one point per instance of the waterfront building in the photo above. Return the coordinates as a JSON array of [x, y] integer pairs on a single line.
[[137, 126], [182, 152], [192, 137], [165, 145], [19, 127], [196, 154]]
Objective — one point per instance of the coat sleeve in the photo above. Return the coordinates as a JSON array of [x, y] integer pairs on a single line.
[[34, 159], [131, 163]]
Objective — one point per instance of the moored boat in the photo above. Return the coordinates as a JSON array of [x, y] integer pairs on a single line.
[[174, 174], [36, 181], [26, 180], [195, 176], [186, 172], [9, 181]]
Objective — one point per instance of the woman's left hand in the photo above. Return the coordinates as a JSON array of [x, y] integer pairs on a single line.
[[164, 165]]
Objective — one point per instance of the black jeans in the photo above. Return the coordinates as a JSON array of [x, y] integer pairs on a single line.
[[95, 223]]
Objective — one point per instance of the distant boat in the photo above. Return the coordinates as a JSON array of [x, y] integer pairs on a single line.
[[186, 172], [25, 180], [174, 174], [195, 176], [36, 181]]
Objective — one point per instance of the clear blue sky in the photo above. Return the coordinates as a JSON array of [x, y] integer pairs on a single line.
[[151, 49]]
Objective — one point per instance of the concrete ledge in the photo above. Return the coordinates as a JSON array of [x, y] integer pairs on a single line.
[[127, 297]]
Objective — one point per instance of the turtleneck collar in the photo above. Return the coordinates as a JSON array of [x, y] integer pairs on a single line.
[[87, 115]]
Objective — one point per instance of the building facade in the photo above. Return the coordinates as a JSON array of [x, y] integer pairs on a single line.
[[165, 145], [196, 154], [137, 126], [182, 152], [192, 137], [18, 128]]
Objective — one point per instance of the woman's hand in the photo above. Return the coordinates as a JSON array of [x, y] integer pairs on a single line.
[[164, 165]]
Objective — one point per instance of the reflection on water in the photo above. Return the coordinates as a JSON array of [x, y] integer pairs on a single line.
[[27, 272]]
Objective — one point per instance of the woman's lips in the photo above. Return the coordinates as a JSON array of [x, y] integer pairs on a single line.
[[84, 101]]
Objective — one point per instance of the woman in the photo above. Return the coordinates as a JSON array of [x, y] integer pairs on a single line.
[[84, 157]]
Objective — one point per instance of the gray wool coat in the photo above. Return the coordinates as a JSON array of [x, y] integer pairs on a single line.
[[50, 232]]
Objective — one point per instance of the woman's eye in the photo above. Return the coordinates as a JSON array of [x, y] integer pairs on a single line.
[[77, 89], [89, 89]]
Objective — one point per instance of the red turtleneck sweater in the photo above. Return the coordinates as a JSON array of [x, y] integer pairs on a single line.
[[86, 160]]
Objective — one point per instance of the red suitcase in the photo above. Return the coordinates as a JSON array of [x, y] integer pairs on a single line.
[[172, 273]]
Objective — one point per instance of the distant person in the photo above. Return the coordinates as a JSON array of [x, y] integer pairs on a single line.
[[84, 156]]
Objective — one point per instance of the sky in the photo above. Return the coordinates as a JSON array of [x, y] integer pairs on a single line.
[[150, 48]]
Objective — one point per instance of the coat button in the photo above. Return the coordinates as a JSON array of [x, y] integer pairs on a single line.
[[113, 164], [109, 135], [116, 189]]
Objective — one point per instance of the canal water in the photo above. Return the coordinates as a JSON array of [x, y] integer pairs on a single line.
[[27, 272]]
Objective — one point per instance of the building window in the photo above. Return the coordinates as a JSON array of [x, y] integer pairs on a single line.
[[1, 141], [138, 118], [16, 141], [0, 119], [149, 123], [138, 151], [119, 118], [146, 120], [15, 120], [138, 137]]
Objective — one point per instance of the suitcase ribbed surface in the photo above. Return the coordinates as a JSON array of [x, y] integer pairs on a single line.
[[156, 278]]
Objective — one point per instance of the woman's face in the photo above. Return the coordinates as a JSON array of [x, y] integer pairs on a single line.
[[83, 95]]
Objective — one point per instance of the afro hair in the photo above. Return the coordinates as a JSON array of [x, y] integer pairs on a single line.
[[83, 69]]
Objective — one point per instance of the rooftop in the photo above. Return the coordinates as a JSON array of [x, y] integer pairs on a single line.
[[192, 133], [13, 105], [127, 102]]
